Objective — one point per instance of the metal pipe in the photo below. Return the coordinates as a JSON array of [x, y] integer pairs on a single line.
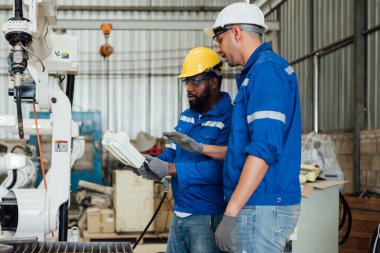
[[372, 29], [18, 9], [326, 49], [129, 8], [315, 93], [360, 15]]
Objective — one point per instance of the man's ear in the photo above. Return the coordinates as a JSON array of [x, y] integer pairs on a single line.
[[214, 83], [236, 32]]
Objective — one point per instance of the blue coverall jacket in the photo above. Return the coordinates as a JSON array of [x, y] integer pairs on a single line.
[[266, 123], [198, 186]]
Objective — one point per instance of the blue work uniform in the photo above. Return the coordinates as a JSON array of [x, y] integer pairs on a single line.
[[198, 186], [266, 123]]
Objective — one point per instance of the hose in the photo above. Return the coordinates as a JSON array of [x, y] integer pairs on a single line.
[[374, 242], [166, 190], [14, 179], [346, 212], [70, 87], [63, 221]]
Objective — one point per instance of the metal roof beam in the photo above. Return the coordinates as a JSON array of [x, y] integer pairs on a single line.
[[128, 8], [176, 25]]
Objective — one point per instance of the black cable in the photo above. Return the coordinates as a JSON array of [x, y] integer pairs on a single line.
[[14, 179], [348, 212], [70, 87], [344, 216], [374, 242], [165, 182], [63, 221], [16, 147]]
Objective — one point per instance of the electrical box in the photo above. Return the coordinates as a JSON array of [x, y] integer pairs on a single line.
[[133, 202]]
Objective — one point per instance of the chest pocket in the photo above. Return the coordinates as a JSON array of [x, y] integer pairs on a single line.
[[183, 127], [209, 135], [239, 115]]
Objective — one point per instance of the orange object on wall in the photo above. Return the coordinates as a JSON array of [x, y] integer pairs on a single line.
[[106, 49]]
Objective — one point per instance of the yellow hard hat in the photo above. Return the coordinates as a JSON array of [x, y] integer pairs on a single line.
[[199, 60]]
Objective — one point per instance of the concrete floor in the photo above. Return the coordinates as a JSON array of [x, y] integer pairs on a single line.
[[150, 248]]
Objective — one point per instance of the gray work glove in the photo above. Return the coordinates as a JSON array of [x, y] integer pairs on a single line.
[[158, 170], [184, 141], [140, 171], [225, 234], [148, 157]]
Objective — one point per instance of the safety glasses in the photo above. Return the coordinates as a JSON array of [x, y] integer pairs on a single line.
[[195, 82], [219, 30], [247, 27]]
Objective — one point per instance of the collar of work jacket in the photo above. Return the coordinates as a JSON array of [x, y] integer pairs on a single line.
[[219, 109], [255, 55]]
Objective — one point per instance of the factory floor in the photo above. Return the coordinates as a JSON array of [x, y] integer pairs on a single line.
[[151, 248]]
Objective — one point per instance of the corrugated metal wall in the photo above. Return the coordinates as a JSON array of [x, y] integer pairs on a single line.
[[307, 26], [295, 41], [140, 91], [333, 21]]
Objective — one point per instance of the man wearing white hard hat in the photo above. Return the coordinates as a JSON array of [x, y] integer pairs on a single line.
[[261, 166]]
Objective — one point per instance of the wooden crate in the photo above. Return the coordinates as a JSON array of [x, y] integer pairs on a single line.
[[365, 218]]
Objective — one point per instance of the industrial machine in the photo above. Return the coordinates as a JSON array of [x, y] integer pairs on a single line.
[[21, 172], [39, 61], [90, 128]]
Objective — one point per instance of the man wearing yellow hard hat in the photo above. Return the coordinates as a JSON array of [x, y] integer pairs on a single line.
[[197, 180]]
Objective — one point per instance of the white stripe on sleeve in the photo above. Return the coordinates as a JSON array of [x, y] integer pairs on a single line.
[[266, 115]]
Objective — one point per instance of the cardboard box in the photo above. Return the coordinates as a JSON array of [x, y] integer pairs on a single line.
[[100, 220]]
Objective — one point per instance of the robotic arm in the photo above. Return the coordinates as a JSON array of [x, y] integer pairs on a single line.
[[21, 172], [23, 33], [46, 57]]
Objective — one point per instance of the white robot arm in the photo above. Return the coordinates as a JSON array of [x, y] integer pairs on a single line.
[[21, 172], [46, 56]]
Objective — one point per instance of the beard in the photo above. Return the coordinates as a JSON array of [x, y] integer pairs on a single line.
[[199, 103]]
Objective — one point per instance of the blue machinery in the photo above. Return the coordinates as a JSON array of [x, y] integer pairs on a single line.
[[89, 125]]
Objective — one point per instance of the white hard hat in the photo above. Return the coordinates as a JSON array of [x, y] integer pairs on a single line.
[[238, 13]]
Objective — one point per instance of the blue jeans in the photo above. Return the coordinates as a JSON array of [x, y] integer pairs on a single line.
[[265, 229], [193, 234]]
